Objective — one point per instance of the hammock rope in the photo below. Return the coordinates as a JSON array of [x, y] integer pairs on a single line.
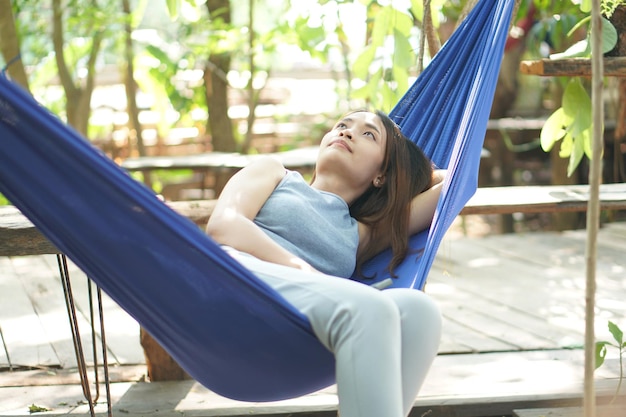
[[227, 329]]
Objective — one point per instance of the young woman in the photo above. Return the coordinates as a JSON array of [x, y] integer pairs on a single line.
[[372, 188]]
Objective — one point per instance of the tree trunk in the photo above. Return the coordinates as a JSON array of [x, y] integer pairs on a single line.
[[216, 84], [131, 85], [252, 94], [619, 171], [10, 45], [619, 21], [78, 99]]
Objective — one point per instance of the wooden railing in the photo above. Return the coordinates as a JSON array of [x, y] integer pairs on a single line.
[[18, 237]]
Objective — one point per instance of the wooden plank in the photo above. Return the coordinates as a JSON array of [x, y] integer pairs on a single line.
[[43, 285], [563, 257], [458, 385], [298, 159], [458, 338], [38, 377], [501, 327], [573, 67], [601, 411], [543, 198], [121, 330], [18, 236], [532, 124], [550, 266], [22, 331], [4, 359], [518, 285]]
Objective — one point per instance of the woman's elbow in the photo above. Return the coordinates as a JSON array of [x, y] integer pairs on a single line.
[[217, 229], [225, 229]]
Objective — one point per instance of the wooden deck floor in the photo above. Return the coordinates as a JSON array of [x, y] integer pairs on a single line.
[[513, 310]]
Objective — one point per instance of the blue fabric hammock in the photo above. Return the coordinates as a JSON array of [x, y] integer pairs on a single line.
[[228, 330]]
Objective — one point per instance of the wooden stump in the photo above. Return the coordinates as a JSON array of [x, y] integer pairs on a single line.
[[161, 366]]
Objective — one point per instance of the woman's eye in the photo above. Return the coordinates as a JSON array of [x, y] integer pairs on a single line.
[[371, 135]]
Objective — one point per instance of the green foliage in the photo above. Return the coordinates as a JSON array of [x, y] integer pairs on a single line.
[[582, 49], [608, 6], [571, 123], [619, 343], [384, 65], [36, 409]]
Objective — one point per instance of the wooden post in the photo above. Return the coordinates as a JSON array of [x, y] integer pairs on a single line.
[[593, 211]]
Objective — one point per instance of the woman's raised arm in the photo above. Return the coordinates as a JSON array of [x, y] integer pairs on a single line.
[[424, 204]]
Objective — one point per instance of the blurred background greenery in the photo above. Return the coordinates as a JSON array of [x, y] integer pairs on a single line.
[[178, 77]]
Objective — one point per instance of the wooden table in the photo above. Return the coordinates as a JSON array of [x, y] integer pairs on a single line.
[[215, 168]]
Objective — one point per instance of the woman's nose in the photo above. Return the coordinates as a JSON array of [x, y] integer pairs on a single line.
[[347, 133]]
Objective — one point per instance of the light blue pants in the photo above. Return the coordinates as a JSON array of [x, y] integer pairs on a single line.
[[383, 341]]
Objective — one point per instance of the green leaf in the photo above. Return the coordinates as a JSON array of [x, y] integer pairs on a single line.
[[576, 155], [389, 98], [577, 50], [585, 6], [382, 23], [600, 353], [368, 91], [566, 146], [403, 52], [363, 62], [172, 8], [577, 107], [552, 130], [417, 8], [401, 77], [617, 333], [609, 36], [587, 145], [401, 22]]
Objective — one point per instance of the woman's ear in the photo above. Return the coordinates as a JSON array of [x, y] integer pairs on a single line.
[[379, 181]]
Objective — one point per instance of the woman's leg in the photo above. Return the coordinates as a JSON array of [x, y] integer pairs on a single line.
[[420, 320], [365, 329]]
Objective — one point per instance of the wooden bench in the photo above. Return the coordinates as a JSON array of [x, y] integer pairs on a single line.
[[543, 199], [18, 237], [213, 169]]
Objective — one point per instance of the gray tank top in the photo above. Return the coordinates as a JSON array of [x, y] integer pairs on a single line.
[[313, 225]]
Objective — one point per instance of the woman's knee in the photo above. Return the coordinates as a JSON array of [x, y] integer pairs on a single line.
[[416, 306], [371, 307]]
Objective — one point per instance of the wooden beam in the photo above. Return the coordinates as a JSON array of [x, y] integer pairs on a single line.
[[18, 236], [573, 67], [543, 199]]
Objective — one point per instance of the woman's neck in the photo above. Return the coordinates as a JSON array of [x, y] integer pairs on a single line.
[[335, 184]]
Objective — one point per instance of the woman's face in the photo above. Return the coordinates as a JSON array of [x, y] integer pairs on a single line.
[[357, 142]]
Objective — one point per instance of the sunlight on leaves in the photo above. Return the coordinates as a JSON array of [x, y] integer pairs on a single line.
[[617, 333], [172, 9], [553, 129], [582, 49], [572, 125]]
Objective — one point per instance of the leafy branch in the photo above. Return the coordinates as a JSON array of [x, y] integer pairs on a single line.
[[571, 123], [601, 351]]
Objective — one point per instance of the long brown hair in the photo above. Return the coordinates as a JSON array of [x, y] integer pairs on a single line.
[[386, 209]]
